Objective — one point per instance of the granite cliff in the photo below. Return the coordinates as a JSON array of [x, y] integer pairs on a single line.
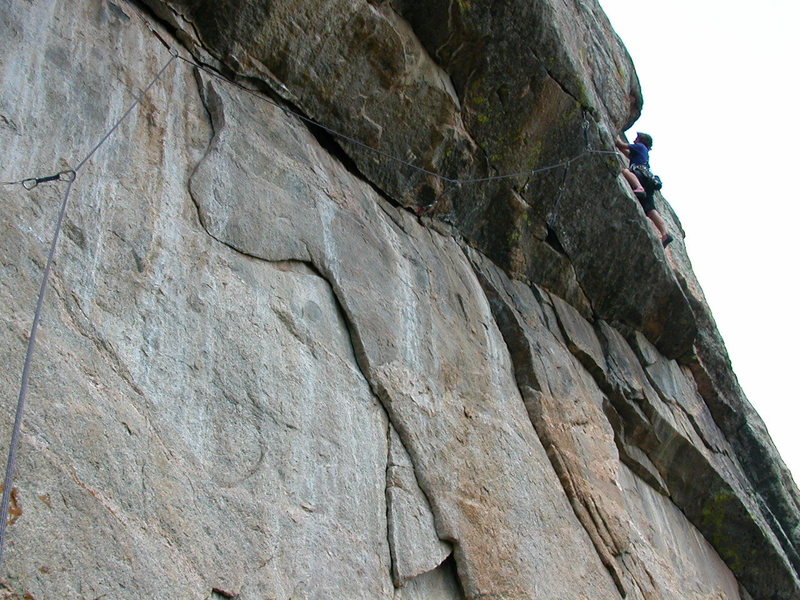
[[262, 375]]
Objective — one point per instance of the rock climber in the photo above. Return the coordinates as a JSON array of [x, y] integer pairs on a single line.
[[638, 154]]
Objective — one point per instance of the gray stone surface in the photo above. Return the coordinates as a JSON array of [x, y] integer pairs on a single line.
[[425, 337], [671, 441], [260, 376], [416, 548], [677, 548], [439, 584], [566, 407], [197, 419]]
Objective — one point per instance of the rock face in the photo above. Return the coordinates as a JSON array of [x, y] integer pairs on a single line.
[[261, 375]]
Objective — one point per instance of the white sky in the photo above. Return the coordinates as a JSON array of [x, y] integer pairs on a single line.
[[721, 85]]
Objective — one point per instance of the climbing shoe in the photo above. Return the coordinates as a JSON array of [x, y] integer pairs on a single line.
[[667, 240]]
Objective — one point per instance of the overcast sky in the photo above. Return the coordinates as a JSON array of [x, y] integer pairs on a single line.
[[720, 81]]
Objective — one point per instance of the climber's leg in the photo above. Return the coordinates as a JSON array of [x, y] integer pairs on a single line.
[[633, 181], [661, 226]]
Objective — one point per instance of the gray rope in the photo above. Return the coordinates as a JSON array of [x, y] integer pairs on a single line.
[[553, 213], [69, 176], [23, 392], [125, 115], [32, 182], [306, 119]]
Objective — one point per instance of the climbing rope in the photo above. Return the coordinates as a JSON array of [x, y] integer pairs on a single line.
[[127, 112], [26, 369], [69, 175]]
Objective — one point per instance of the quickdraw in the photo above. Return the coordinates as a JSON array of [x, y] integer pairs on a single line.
[[30, 183]]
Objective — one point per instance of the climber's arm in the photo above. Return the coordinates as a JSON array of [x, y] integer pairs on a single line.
[[622, 145]]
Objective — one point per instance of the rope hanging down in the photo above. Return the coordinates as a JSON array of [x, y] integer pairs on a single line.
[[69, 176], [26, 369]]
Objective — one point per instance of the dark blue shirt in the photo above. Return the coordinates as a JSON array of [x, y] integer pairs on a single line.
[[640, 155]]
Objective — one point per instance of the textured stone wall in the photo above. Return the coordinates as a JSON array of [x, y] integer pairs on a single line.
[[261, 376]]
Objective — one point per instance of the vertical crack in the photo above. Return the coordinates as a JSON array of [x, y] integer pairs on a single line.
[[386, 484]]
